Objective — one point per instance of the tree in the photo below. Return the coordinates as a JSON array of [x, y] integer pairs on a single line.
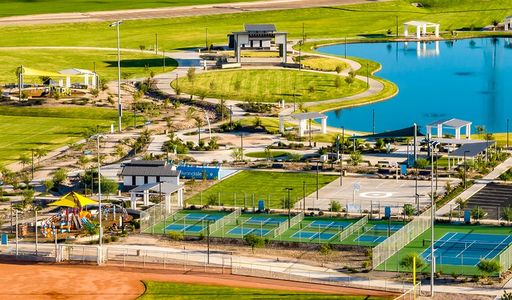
[[506, 213], [199, 124], [463, 203], [407, 261], [236, 154], [48, 185], [421, 163], [108, 186], [24, 160], [254, 241], [257, 122], [40, 153], [379, 144], [488, 266], [334, 206], [28, 197], [337, 82], [356, 158], [83, 161], [478, 213], [409, 210], [191, 74], [190, 113], [339, 69], [142, 47], [349, 80], [59, 176]]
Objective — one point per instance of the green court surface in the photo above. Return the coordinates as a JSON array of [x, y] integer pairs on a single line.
[[263, 225], [420, 244], [317, 230], [242, 188]]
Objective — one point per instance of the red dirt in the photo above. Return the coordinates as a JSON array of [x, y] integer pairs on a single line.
[[49, 281]]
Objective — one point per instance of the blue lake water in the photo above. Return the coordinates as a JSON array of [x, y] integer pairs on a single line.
[[464, 79]]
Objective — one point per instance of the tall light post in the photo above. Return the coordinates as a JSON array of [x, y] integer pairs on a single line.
[[342, 150], [99, 189], [507, 131], [117, 24], [432, 145], [288, 204], [465, 168]]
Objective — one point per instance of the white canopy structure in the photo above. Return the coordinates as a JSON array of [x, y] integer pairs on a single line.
[[85, 74], [303, 118], [170, 193], [508, 23], [455, 124], [421, 28]]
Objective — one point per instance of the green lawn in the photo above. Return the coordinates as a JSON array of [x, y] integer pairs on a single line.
[[418, 246], [322, 63], [365, 20], [25, 128], [269, 85], [133, 64], [185, 291], [27, 7], [263, 185], [262, 154]]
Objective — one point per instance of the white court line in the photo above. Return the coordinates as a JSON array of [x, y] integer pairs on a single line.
[[489, 253]]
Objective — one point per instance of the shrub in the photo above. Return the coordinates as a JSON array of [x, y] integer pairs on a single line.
[[176, 236], [325, 249]]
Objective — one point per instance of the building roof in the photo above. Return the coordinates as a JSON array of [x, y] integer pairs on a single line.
[[76, 71], [420, 23], [399, 133], [452, 123], [149, 168], [472, 149], [308, 115], [260, 27], [157, 187]]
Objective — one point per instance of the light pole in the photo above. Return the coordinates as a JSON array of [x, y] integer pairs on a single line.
[[32, 151], [465, 168], [288, 204], [507, 131], [117, 24], [17, 249], [432, 145], [317, 175], [208, 241], [99, 189], [342, 150]]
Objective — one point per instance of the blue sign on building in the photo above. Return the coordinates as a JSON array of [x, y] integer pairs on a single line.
[[199, 172]]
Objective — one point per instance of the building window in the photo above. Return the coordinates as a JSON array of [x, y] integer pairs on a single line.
[[158, 179], [145, 179], [134, 182]]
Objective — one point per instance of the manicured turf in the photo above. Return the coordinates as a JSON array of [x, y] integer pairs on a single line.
[[418, 246], [267, 186], [17, 7], [323, 63], [273, 154], [25, 128], [133, 64], [270, 85], [367, 20], [182, 291]]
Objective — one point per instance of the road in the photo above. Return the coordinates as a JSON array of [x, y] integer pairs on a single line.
[[174, 12]]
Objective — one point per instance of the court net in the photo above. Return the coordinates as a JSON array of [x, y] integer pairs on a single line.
[[462, 245]]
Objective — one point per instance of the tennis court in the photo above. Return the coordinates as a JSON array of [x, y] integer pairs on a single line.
[[257, 225], [319, 230], [466, 249], [191, 222], [377, 233]]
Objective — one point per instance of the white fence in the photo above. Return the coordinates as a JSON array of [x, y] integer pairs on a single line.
[[401, 238], [157, 213], [227, 220], [284, 225], [353, 228]]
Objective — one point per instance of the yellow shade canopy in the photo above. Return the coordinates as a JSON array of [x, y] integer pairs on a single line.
[[73, 200]]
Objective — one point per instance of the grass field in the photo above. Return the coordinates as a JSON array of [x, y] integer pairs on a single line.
[[418, 246], [183, 291], [270, 85], [273, 154], [365, 20], [268, 186], [25, 128], [15, 7], [323, 63], [133, 64]]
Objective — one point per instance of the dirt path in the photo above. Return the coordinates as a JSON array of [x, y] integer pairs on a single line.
[[184, 11], [43, 281]]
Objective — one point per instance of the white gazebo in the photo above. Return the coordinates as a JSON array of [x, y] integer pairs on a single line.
[[171, 194], [303, 119], [454, 124], [508, 23], [85, 74], [421, 28]]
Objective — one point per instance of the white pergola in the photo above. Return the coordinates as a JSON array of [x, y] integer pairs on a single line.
[[85, 74], [421, 28], [303, 119], [172, 194], [508, 23], [454, 124]]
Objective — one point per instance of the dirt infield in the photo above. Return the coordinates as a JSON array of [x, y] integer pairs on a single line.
[[174, 12], [50, 281]]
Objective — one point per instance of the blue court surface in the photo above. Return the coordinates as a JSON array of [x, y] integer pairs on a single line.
[[244, 231], [308, 235], [325, 224], [202, 217], [467, 249], [184, 228], [264, 221], [371, 238], [384, 227]]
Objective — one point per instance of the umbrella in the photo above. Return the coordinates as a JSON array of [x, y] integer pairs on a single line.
[[82, 200], [63, 202]]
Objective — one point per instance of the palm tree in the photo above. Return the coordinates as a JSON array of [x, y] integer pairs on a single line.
[[191, 113], [199, 124], [24, 160]]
